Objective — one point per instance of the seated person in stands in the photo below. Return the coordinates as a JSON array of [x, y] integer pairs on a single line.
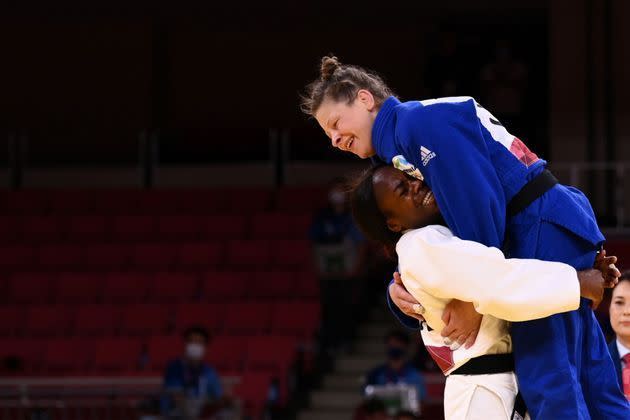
[[619, 347], [406, 415], [397, 369], [191, 386], [339, 246], [371, 409]]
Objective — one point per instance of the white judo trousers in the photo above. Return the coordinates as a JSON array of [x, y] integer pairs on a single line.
[[480, 397]]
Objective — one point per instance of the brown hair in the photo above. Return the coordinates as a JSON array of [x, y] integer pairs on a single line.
[[341, 82]]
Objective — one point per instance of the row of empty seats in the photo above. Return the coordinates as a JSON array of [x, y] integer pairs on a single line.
[[166, 255], [158, 287], [297, 319], [134, 356], [129, 201], [118, 228]]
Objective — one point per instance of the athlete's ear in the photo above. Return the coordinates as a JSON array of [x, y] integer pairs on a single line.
[[393, 225], [366, 98]]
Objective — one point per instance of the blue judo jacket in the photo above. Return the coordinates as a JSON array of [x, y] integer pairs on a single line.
[[474, 167]]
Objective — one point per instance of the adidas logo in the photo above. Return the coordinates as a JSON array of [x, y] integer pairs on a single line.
[[426, 155]]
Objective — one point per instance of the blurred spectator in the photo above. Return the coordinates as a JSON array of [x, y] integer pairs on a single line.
[[503, 87], [339, 246], [619, 347], [191, 386], [341, 255], [397, 369], [371, 409], [406, 415]]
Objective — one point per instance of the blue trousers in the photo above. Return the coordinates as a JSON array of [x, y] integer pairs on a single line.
[[562, 362]]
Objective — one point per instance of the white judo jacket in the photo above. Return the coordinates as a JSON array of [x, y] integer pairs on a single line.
[[436, 267]]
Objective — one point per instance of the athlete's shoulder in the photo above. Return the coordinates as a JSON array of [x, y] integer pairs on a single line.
[[432, 112], [426, 235]]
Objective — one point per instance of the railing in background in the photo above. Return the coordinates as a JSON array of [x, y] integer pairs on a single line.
[[284, 166]]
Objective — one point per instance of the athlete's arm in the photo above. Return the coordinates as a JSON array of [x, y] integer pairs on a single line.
[[510, 289]]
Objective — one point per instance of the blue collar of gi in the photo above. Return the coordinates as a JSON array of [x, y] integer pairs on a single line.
[[383, 131]]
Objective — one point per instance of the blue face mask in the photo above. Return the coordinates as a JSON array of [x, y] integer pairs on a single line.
[[395, 353]]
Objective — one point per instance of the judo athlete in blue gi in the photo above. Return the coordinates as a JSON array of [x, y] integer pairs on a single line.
[[493, 190]]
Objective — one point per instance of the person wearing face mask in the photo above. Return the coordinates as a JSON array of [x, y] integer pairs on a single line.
[[191, 386], [397, 369], [619, 347]]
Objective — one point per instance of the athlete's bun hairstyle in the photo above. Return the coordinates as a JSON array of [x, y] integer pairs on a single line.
[[329, 65], [341, 82]]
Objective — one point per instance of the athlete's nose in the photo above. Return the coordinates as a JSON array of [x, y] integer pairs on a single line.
[[336, 139]]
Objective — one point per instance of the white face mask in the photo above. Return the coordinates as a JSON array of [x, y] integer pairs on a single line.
[[195, 351]]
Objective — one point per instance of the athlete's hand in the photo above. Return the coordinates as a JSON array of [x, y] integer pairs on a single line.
[[462, 324], [608, 268], [403, 299]]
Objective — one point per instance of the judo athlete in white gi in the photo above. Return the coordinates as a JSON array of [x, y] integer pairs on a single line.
[[437, 267]]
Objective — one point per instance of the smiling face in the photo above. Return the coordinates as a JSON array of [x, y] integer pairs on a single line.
[[406, 202], [620, 311], [349, 126]]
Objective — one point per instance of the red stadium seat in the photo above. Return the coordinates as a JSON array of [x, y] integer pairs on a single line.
[[248, 253], [107, 256], [272, 226], [300, 199], [298, 319], [224, 226], [97, 320], [174, 287], [154, 256], [307, 285], [275, 284], [66, 355], [210, 316], [116, 202], [17, 256], [146, 319], [47, 320], [252, 318], [43, 228], [126, 287], [271, 353], [10, 228], [78, 287], [61, 256], [71, 202], [253, 389], [224, 286], [116, 355], [227, 353], [11, 321], [179, 227], [28, 353], [200, 255], [26, 202], [133, 228], [247, 200], [281, 225], [296, 254], [30, 288], [93, 228], [162, 349]]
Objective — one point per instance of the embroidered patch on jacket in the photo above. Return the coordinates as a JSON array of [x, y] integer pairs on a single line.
[[426, 155], [402, 164], [522, 152]]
